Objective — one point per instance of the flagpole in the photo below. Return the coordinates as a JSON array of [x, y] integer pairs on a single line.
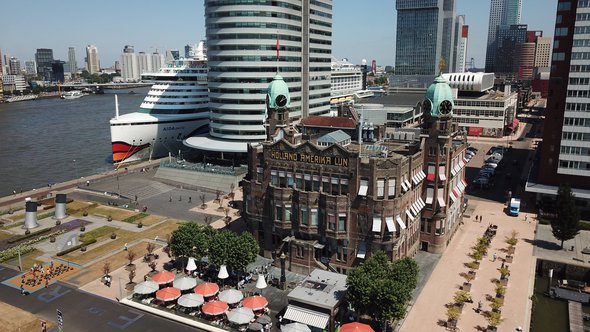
[[278, 47]]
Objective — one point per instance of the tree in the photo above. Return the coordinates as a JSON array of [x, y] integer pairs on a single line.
[[567, 223], [382, 288], [150, 247], [233, 250], [131, 256], [131, 276], [191, 239], [106, 268]]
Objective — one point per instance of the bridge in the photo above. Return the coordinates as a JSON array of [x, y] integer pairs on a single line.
[[105, 85]]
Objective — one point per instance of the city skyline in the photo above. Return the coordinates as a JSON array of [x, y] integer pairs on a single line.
[[374, 39]]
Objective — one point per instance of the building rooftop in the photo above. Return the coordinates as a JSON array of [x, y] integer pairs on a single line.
[[331, 122], [395, 99], [337, 136], [321, 288]]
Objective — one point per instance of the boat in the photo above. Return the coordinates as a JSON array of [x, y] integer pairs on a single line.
[[346, 79], [21, 98], [74, 94], [176, 107]]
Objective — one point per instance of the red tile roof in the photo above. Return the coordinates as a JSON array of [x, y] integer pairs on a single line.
[[329, 121]]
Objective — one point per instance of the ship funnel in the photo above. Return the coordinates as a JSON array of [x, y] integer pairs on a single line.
[[31, 214], [60, 206]]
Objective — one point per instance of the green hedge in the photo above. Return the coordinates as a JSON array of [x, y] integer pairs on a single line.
[[135, 217], [96, 233], [585, 226], [63, 252], [20, 238]]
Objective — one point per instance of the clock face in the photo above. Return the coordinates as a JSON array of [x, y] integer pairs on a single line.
[[445, 107], [427, 106], [281, 101]]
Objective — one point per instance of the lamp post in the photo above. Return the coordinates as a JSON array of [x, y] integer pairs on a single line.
[[76, 169], [283, 280]]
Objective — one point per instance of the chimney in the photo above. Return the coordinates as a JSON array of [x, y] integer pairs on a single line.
[[60, 206], [31, 215]]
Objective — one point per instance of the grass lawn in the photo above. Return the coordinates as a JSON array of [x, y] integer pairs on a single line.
[[98, 233], [117, 260], [17, 217], [5, 235], [13, 225], [27, 259], [115, 213], [150, 220], [16, 319], [105, 245], [78, 205]]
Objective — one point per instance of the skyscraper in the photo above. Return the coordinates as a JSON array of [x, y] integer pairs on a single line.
[[460, 51], [92, 59], [129, 65], [565, 152], [542, 51], [72, 65], [31, 67], [57, 71], [188, 51], [44, 58], [242, 54], [14, 66], [425, 36], [509, 41], [502, 13]]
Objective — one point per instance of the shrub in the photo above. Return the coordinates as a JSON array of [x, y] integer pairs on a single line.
[[512, 240], [30, 235], [461, 297], [453, 313], [67, 251], [500, 290], [494, 318], [135, 217]]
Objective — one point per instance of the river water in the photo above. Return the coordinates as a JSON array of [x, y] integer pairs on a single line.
[[54, 140]]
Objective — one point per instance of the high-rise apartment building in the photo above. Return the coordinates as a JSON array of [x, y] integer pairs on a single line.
[[565, 152], [502, 13], [242, 51], [31, 67], [14, 66], [542, 51], [44, 58], [129, 65], [460, 45], [425, 36], [92, 59], [71, 65]]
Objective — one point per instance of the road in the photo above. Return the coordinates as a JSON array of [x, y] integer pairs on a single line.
[[83, 311]]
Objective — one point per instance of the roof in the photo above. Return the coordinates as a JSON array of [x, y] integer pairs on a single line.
[[326, 121], [321, 288], [437, 92], [334, 137], [394, 99]]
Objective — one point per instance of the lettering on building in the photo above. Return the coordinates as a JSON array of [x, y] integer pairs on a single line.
[[309, 158]]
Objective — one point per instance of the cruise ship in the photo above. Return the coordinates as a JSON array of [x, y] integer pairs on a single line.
[[176, 107], [346, 79]]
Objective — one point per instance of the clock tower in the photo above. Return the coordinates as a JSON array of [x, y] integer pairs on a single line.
[[444, 149], [278, 102]]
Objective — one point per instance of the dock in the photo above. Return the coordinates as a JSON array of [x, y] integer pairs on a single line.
[[570, 295], [575, 316]]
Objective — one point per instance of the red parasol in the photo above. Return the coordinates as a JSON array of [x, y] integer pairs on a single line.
[[356, 327], [214, 308], [168, 294], [207, 289], [163, 277], [257, 302]]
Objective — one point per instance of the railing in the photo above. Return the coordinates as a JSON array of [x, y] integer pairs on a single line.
[[201, 167]]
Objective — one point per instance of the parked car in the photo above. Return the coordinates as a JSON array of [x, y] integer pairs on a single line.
[[469, 154], [488, 170], [494, 160], [471, 148], [484, 175], [482, 182], [491, 165]]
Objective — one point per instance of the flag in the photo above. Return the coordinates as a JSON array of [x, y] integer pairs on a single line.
[[278, 46]]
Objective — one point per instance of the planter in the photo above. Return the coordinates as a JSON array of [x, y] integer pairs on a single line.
[[27, 232], [472, 274], [83, 248], [491, 329], [82, 229], [57, 222], [510, 250], [459, 306], [130, 267], [85, 213], [52, 239], [500, 298], [466, 286], [452, 323], [113, 236], [140, 225], [509, 259], [109, 218], [130, 286], [203, 206], [504, 281]]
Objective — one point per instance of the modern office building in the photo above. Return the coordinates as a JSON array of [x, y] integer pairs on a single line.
[[92, 59], [526, 57], [175, 54], [542, 52], [44, 58], [509, 40], [242, 41], [1, 78], [129, 65], [14, 83], [565, 152], [460, 51], [72, 64], [31, 67], [502, 13], [478, 109], [57, 71], [14, 66], [425, 35]]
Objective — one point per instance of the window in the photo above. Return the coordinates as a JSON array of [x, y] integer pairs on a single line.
[[287, 213], [562, 6], [259, 174], [314, 217], [380, 188], [432, 151], [274, 177], [331, 222], [290, 180], [391, 187], [558, 56], [342, 222], [364, 187], [279, 213], [299, 252], [325, 184], [304, 216]]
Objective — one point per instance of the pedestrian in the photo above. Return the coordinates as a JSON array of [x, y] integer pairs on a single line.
[[280, 320], [179, 198], [481, 219], [494, 257], [145, 277], [14, 192], [190, 199], [502, 264], [525, 217], [87, 183], [136, 198], [479, 306], [170, 200], [125, 247]]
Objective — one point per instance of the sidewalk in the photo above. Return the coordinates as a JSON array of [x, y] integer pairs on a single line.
[[428, 312]]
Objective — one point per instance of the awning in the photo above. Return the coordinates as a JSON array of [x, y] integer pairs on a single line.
[[442, 173], [461, 163], [362, 251], [421, 202], [416, 179], [306, 316], [461, 186], [464, 182], [441, 198], [452, 195], [456, 169], [514, 124], [456, 192], [401, 223], [390, 224], [421, 175], [413, 209], [319, 245], [418, 206], [465, 160], [409, 214], [408, 184], [377, 224], [404, 187], [429, 195]]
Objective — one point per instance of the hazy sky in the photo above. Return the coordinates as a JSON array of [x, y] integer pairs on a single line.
[[362, 29]]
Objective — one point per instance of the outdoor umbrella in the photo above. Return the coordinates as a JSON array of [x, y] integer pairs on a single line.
[[168, 294], [255, 302], [231, 296], [255, 327], [295, 327], [207, 289], [184, 283], [214, 308], [263, 319], [191, 300], [356, 327], [163, 277], [240, 315], [146, 287], [191, 265]]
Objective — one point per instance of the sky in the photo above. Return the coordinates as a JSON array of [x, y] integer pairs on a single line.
[[362, 29]]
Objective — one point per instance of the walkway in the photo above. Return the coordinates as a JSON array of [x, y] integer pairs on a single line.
[[428, 312]]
